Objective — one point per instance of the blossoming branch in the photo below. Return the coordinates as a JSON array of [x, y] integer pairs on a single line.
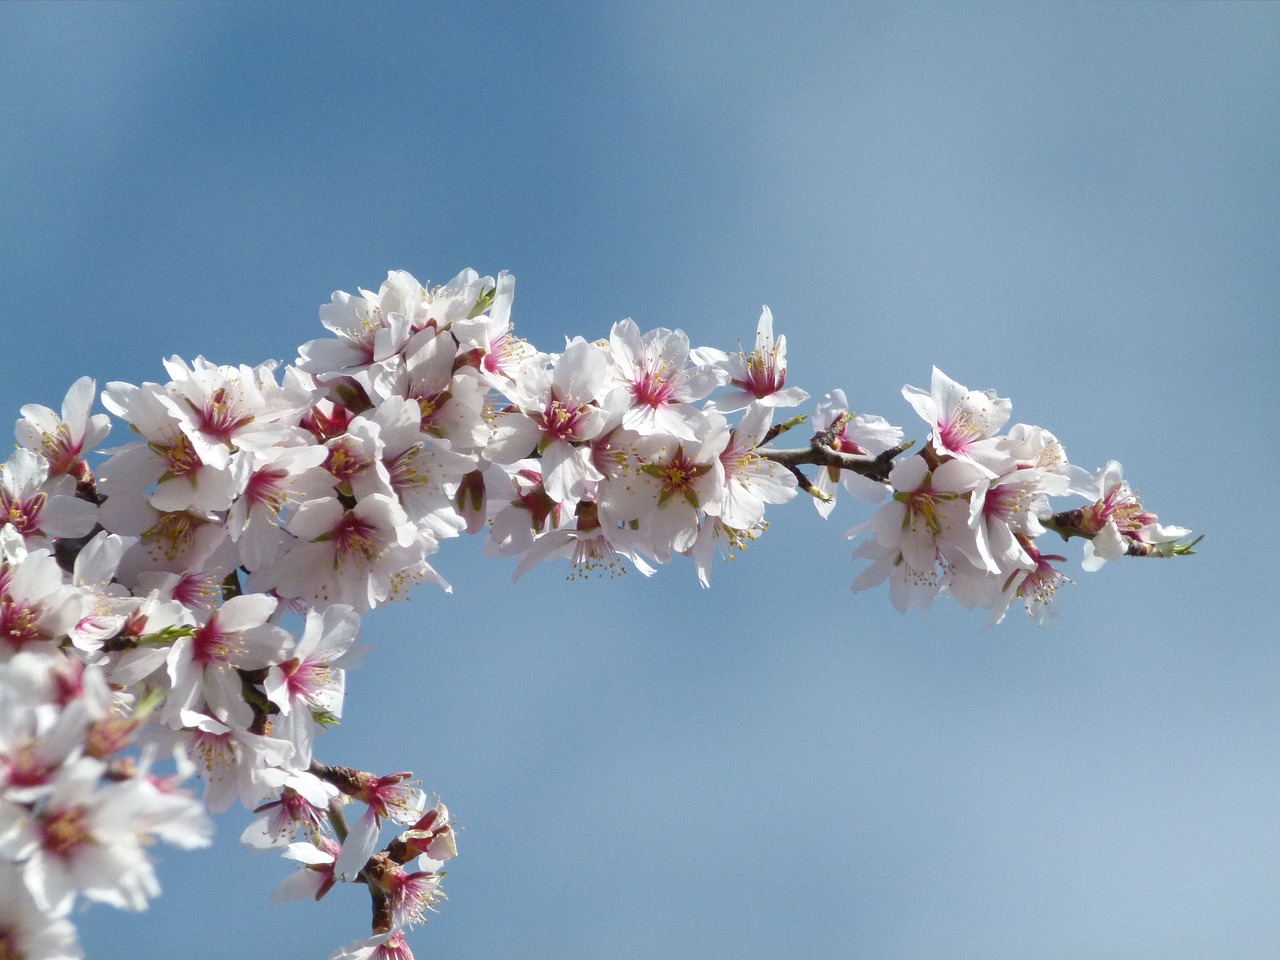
[[190, 600]]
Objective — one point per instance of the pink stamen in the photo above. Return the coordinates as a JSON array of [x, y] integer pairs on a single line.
[[562, 420], [219, 418], [263, 489], [651, 390]]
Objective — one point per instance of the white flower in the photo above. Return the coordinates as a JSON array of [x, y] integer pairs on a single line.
[[367, 337], [925, 524], [204, 667], [233, 763], [313, 882], [964, 421], [420, 471], [759, 376], [388, 798], [667, 485], [311, 681], [558, 413], [167, 458], [36, 606], [63, 441], [40, 507], [82, 839], [382, 946], [750, 480], [271, 483], [222, 409], [1117, 520], [449, 405], [652, 369], [358, 557], [26, 931]]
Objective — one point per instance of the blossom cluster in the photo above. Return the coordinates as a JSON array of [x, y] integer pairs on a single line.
[[965, 512], [195, 597], [78, 806]]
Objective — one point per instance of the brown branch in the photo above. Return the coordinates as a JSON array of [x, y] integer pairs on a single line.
[[821, 454]]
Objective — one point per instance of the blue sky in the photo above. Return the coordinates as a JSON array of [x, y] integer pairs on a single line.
[[1075, 204]]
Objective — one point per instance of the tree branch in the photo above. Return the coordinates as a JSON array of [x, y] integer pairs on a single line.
[[820, 454]]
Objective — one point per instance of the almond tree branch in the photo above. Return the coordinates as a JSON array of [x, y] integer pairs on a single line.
[[821, 454]]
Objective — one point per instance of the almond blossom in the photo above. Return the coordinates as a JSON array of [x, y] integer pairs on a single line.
[[450, 405], [309, 684], [36, 606], [385, 798], [301, 809], [964, 421], [64, 440], [85, 839], [316, 879], [167, 459], [26, 931], [223, 409], [39, 507], [759, 376], [358, 557], [652, 369], [558, 411], [1117, 520], [204, 668], [382, 946], [666, 484], [750, 480]]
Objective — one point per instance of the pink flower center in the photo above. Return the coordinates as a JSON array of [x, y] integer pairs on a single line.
[[763, 377], [263, 489], [304, 678], [344, 462], [65, 833], [677, 476], [19, 624], [181, 459], [536, 500], [562, 420], [173, 533], [325, 426], [220, 418], [293, 812], [354, 537], [62, 451], [1121, 505], [217, 750], [210, 646], [501, 350], [957, 432], [652, 390], [68, 682], [408, 470], [198, 590], [25, 769], [22, 515], [1040, 585], [429, 408], [411, 895], [389, 795], [394, 949], [1002, 502]]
